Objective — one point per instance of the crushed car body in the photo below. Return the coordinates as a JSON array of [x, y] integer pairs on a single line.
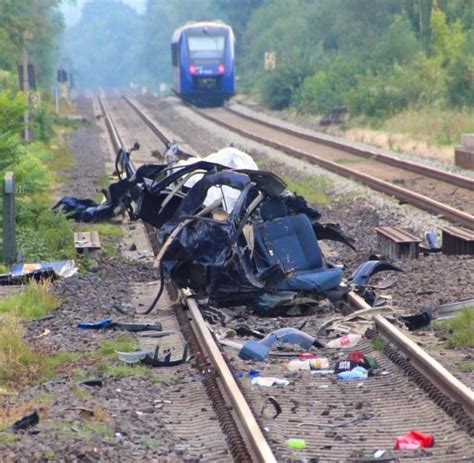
[[232, 233]]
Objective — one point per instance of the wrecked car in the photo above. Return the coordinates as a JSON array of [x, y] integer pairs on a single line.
[[232, 233]]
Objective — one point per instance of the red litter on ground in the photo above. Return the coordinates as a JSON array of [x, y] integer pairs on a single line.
[[356, 356], [414, 440]]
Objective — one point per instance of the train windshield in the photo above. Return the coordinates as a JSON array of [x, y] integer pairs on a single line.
[[206, 47]]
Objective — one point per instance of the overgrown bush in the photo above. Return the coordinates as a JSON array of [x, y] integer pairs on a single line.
[[379, 57], [42, 123], [327, 89], [384, 94], [279, 87], [43, 234], [460, 78]]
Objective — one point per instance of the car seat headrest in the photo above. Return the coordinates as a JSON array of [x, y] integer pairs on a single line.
[[273, 208]]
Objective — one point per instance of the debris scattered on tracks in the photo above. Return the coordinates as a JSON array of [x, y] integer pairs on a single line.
[[356, 373], [135, 356], [414, 440], [432, 244], [422, 319], [296, 443], [259, 350], [23, 273], [349, 340], [101, 324], [361, 276], [108, 323], [95, 382], [153, 358], [269, 381], [319, 363], [276, 407], [26, 422], [231, 233]]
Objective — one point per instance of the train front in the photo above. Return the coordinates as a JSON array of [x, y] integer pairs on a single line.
[[207, 64]]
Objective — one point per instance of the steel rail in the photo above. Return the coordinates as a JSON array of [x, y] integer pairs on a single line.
[[111, 128], [147, 120], [367, 152], [253, 434], [438, 375], [428, 366], [416, 199]]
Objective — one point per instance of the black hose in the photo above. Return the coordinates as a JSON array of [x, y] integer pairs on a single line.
[[160, 292]]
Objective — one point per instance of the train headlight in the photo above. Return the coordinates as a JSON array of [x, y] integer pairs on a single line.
[[221, 68], [192, 69]]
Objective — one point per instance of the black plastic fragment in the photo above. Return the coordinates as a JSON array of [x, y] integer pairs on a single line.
[[26, 422], [276, 406], [417, 321], [165, 361], [135, 327], [96, 382]]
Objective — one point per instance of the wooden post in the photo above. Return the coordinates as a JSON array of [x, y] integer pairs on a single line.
[[9, 219]]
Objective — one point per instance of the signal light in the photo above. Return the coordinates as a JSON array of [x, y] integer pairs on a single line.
[[192, 69], [221, 68]]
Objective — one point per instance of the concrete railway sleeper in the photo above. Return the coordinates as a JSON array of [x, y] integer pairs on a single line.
[[210, 369]]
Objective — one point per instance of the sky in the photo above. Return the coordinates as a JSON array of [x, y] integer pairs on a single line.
[[72, 13]]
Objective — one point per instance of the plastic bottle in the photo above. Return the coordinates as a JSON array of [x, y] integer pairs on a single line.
[[296, 443], [319, 363], [349, 340]]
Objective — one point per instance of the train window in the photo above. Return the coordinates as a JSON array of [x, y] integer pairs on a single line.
[[174, 54], [206, 46]]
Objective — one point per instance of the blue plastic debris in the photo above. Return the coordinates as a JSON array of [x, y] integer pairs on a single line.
[[355, 373], [95, 325], [254, 350], [432, 239], [361, 276], [289, 336], [258, 350]]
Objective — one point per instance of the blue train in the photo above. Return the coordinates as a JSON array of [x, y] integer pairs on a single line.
[[202, 55]]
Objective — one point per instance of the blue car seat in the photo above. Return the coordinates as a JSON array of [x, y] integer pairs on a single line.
[[290, 241]]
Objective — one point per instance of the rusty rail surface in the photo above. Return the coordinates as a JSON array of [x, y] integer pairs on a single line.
[[367, 152], [113, 132], [440, 385], [449, 393], [244, 432], [416, 199]]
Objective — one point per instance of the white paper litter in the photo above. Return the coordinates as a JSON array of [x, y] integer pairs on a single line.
[[268, 381]]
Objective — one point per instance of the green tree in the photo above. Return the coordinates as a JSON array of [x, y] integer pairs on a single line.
[[460, 75], [11, 111], [447, 39], [29, 23]]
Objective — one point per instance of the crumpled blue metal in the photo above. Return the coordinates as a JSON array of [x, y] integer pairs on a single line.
[[361, 276], [95, 325]]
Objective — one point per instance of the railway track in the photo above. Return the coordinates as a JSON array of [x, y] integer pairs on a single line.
[[252, 446], [339, 421], [431, 189]]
